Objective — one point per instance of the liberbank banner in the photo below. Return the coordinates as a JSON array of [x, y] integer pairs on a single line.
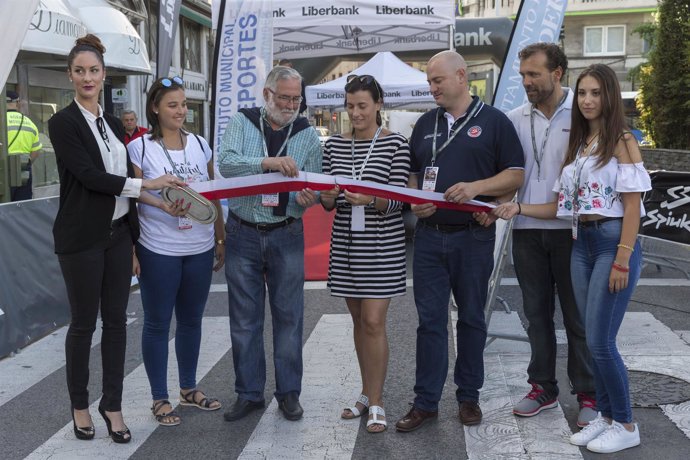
[[301, 13], [243, 58], [333, 28]]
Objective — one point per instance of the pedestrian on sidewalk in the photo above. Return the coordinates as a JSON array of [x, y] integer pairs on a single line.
[[175, 257], [541, 247], [95, 228], [367, 258], [599, 192], [132, 129], [465, 149]]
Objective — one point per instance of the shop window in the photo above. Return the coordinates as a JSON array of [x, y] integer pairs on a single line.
[[190, 51], [604, 41]]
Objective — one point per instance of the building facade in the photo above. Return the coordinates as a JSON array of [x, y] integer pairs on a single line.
[[594, 31], [128, 28]]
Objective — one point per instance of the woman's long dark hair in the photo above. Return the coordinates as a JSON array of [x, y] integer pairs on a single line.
[[612, 118], [156, 93]]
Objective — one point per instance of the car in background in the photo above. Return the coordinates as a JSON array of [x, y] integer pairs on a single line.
[[324, 133]]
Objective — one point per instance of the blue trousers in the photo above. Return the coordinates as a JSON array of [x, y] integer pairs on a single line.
[[254, 261], [602, 312], [179, 283], [460, 262]]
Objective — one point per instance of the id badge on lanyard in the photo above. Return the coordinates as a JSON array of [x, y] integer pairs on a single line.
[[184, 223], [269, 199], [430, 177]]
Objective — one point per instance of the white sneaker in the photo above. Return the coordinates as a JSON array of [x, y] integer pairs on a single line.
[[614, 439], [590, 432]]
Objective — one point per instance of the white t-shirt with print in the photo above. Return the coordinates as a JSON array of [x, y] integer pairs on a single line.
[[160, 232]]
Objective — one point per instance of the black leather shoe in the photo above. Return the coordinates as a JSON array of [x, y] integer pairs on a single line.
[[291, 408], [242, 408]]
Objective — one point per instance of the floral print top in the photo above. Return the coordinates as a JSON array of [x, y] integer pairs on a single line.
[[595, 190]]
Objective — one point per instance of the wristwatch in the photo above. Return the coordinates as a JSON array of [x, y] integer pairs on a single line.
[[220, 241], [372, 203]]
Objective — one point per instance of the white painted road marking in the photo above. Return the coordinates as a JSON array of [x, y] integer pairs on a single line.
[[317, 285], [215, 342], [36, 362], [331, 381]]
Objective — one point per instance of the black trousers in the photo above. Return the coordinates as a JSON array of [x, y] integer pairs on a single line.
[[98, 278]]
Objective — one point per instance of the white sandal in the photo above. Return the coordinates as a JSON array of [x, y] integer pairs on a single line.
[[374, 413], [363, 400]]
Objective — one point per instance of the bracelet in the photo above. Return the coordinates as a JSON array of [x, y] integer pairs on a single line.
[[519, 208], [220, 241], [629, 248], [620, 268]]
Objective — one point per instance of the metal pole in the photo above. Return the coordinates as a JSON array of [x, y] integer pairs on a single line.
[[4, 166]]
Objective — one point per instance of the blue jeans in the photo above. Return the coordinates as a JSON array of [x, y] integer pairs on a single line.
[[602, 311], [542, 266], [460, 262], [168, 283], [255, 260]]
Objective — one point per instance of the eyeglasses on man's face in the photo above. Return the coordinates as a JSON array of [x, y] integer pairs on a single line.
[[168, 82], [286, 99]]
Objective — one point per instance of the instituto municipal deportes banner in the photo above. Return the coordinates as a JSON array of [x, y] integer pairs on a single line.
[[243, 58], [168, 15], [536, 21]]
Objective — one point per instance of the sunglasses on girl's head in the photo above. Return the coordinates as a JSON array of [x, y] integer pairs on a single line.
[[364, 80], [167, 82]]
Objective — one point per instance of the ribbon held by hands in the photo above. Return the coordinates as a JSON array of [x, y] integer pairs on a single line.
[[275, 183]]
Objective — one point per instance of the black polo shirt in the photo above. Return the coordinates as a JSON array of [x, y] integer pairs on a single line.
[[486, 145]]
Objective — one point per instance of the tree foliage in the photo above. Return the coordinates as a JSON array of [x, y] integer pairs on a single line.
[[665, 79]]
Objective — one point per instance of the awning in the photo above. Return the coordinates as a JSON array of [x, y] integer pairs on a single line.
[[125, 50], [53, 29]]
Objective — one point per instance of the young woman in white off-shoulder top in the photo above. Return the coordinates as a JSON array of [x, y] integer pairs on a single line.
[[599, 190]]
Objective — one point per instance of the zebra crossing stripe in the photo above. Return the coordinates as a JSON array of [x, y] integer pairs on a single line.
[[215, 342], [331, 381], [35, 362], [501, 434]]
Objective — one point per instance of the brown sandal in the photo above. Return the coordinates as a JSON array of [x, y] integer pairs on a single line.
[[173, 419], [189, 399]]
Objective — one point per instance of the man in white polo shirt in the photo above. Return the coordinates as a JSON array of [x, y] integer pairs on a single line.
[[541, 248]]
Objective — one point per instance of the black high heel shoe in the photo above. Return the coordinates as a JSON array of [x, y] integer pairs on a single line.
[[120, 437], [84, 433]]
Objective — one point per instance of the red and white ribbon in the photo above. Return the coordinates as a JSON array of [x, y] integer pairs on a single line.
[[275, 183]]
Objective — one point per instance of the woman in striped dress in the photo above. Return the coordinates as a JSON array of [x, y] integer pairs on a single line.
[[367, 259]]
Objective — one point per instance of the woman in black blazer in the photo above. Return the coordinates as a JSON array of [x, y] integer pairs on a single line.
[[94, 231]]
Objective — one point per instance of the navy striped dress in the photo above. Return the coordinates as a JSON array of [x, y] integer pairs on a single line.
[[369, 263]]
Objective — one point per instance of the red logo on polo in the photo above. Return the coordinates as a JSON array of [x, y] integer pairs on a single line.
[[474, 131]]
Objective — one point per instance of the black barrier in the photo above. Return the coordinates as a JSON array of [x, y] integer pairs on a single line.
[[33, 299], [668, 207]]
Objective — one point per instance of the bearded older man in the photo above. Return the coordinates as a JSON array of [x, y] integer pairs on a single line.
[[265, 243]]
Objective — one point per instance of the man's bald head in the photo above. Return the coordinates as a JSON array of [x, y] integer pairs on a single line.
[[449, 58]]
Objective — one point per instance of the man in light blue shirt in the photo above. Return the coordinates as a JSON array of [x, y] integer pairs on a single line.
[[265, 242]]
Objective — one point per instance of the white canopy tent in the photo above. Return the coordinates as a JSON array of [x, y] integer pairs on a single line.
[[403, 86]]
